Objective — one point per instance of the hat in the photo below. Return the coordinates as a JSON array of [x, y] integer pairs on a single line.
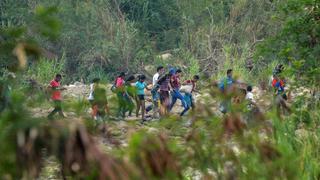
[[172, 71]]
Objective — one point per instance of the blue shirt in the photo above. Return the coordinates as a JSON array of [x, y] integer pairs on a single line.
[[140, 87], [228, 82], [280, 88]]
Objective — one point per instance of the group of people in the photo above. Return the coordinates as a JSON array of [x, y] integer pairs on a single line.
[[227, 84], [167, 87], [228, 87], [164, 85], [130, 92]]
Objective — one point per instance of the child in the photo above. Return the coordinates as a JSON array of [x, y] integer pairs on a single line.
[[188, 94], [131, 94], [100, 102], [141, 85], [95, 83], [56, 89], [249, 97], [120, 90]]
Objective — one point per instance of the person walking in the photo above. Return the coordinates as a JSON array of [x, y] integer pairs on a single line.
[[55, 89], [131, 95], [141, 86], [164, 89], [280, 95], [100, 102], [189, 91], [155, 91], [175, 93], [121, 93], [225, 87], [93, 85]]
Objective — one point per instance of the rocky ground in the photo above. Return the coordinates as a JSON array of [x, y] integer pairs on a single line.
[[117, 132]]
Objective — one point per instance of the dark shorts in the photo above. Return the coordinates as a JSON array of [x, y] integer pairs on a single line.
[[141, 97]]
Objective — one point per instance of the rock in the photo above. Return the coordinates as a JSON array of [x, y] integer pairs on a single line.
[[78, 83], [165, 56], [149, 68]]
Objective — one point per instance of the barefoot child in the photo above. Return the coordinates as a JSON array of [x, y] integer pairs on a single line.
[[249, 95]]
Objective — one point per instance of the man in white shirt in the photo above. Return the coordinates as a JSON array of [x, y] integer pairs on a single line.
[[155, 93], [155, 78]]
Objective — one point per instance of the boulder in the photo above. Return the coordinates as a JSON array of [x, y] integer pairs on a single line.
[[165, 56]]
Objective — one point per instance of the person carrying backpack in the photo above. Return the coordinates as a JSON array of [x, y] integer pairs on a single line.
[[279, 86], [276, 72]]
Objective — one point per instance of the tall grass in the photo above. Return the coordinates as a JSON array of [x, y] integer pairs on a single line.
[[45, 69]]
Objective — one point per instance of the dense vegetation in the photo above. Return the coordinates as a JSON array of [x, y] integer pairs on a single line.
[[87, 39], [100, 38]]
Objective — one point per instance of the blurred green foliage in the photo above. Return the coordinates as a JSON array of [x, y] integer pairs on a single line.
[[99, 38], [296, 42]]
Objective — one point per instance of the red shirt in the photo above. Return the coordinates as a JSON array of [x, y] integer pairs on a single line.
[[175, 82], [274, 81], [56, 94], [119, 82]]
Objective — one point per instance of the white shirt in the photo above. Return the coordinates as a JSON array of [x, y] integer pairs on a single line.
[[155, 79], [91, 92], [249, 96]]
